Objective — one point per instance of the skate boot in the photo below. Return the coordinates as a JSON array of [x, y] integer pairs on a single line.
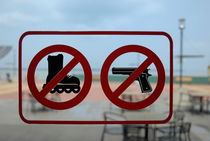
[[68, 84]]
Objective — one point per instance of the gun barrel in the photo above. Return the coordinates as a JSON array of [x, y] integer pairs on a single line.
[[122, 70], [142, 78]]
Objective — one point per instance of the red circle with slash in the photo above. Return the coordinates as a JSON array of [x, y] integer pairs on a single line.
[[113, 96], [41, 95]]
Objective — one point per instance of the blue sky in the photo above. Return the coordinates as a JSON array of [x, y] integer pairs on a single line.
[[18, 16]]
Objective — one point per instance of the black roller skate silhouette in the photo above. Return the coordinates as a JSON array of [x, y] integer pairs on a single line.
[[68, 84]]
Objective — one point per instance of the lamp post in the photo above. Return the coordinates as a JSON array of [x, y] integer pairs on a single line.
[[181, 27]]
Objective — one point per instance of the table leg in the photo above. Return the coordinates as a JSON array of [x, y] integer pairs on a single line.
[[130, 97], [201, 104], [146, 132]]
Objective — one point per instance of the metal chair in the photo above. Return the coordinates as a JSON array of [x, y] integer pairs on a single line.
[[132, 132], [113, 129], [184, 130], [195, 102], [207, 104], [172, 127], [31, 103]]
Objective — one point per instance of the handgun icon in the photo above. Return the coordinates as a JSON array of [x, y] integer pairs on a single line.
[[142, 78]]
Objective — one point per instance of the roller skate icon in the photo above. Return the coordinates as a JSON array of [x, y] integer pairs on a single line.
[[68, 84]]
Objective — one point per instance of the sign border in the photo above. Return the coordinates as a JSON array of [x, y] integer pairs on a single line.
[[152, 33]]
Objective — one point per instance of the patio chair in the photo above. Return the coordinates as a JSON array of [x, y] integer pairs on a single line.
[[195, 102], [31, 103], [207, 104], [113, 129], [34, 106], [184, 130], [132, 132], [172, 127]]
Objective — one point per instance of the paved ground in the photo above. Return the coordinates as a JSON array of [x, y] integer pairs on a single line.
[[12, 128]]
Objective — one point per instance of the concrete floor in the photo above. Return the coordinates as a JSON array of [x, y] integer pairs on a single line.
[[13, 129]]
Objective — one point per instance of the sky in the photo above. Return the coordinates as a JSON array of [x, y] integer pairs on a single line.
[[18, 16]]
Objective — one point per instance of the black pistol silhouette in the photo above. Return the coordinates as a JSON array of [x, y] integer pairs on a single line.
[[142, 78]]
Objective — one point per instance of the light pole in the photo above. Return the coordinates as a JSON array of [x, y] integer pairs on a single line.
[[181, 27]]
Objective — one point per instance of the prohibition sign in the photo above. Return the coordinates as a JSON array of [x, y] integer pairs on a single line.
[[40, 95], [113, 96]]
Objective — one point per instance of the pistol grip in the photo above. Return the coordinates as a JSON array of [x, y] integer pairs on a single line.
[[144, 83]]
